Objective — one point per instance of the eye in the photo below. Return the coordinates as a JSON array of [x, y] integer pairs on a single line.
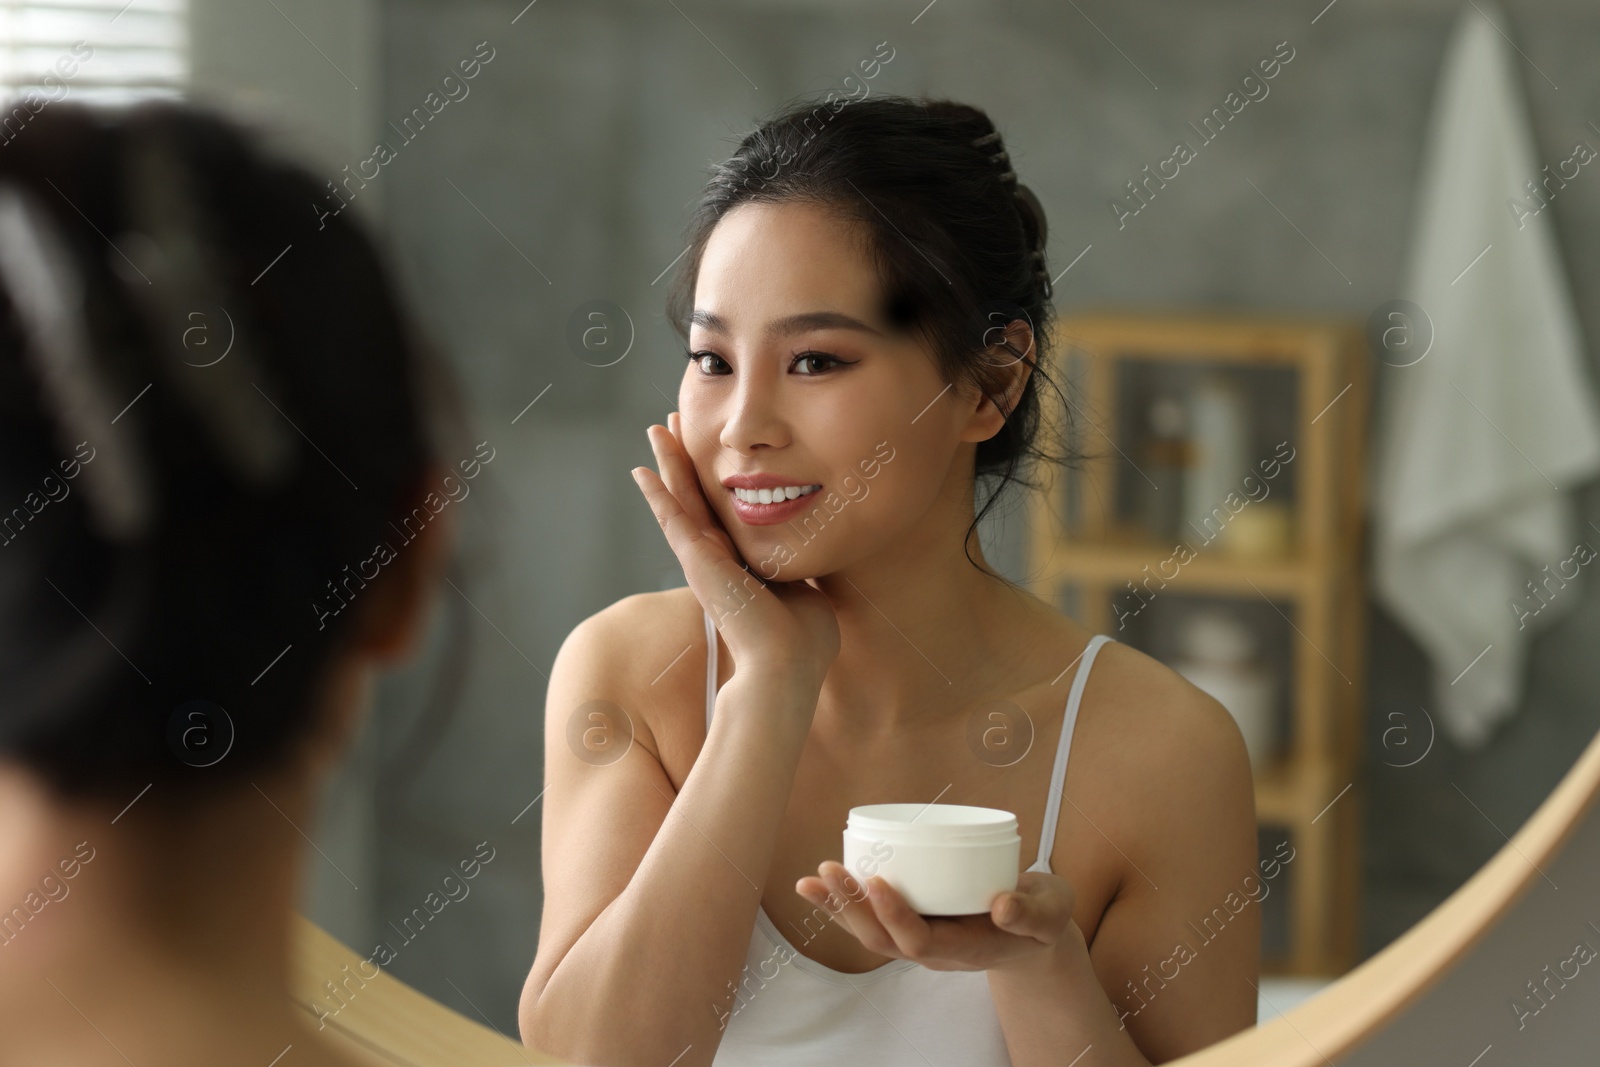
[[819, 361], [708, 361]]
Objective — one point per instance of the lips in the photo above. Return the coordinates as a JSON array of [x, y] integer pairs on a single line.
[[755, 513]]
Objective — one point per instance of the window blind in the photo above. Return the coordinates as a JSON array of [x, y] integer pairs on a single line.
[[110, 51]]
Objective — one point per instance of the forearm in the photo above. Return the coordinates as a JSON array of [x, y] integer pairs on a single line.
[[649, 975], [1053, 1012]]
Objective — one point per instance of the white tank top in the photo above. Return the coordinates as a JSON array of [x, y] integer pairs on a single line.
[[801, 1013]]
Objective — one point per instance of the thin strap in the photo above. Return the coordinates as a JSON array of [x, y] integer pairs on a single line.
[[1058, 776], [711, 668]]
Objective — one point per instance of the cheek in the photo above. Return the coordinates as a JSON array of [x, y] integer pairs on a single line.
[[700, 430], [699, 424], [848, 422], [691, 408], [906, 420], [911, 482], [699, 440]]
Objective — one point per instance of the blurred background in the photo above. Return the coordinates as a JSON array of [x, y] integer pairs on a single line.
[[535, 211]]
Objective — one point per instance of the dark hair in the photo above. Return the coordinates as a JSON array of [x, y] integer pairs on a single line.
[[171, 520], [956, 240]]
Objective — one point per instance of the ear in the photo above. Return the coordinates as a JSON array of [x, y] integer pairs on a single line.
[[1004, 365]]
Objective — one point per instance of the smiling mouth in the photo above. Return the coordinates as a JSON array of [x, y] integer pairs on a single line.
[[781, 494]]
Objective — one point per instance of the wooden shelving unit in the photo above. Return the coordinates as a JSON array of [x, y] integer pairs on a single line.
[[1081, 540]]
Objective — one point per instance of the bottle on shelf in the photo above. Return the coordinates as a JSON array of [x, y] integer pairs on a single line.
[[1219, 654], [1220, 432], [1166, 458]]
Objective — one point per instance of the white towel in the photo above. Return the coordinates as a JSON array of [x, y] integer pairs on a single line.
[[1479, 444]]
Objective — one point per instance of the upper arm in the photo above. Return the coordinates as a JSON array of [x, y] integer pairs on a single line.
[[601, 809], [1178, 949]]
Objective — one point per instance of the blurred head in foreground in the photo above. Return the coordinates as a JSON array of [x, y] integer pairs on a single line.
[[214, 457]]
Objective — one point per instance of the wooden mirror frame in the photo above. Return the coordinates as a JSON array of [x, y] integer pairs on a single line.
[[399, 1025]]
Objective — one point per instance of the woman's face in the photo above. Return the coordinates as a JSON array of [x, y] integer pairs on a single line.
[[798, 379]]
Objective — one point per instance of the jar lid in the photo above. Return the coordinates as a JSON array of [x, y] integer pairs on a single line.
[[934, 821]]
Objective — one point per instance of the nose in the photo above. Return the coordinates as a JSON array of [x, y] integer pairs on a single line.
[[754, 417]]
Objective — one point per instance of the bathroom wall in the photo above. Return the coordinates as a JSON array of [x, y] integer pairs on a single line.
[[564, 177], [255, 61]]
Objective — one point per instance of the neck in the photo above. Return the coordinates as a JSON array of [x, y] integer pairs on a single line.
[[923, 631], [156, 934]]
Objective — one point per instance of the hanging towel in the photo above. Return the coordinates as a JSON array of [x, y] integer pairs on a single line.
[[1480, 442]]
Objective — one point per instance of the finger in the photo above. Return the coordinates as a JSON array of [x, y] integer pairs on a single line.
[[712, 520], [678, 471], [964, 942], [856, 915], [911, 933], [710, 569], [812, 888], [1011, 913], [1038, 909], [839, 896], [816, 892]]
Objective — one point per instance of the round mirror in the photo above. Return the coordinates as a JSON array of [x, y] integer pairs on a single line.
[[1166, 426], [1284, 252]]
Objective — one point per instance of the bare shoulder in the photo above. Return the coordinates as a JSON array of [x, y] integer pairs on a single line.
[[1166, 759], [1155, 718], [640, 624], [645, 653]]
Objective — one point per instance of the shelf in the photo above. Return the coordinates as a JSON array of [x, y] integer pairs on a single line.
[[1083, 536], [1112, 563], [1296, 792], [1211, 337]]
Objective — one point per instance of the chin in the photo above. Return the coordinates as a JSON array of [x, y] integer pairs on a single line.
[[795, 551], [780, 559], [794, 571]]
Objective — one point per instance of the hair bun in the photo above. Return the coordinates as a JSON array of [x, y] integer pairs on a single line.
[[1034, 216]]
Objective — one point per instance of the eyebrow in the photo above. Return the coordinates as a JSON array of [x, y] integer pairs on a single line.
[[789, 324]]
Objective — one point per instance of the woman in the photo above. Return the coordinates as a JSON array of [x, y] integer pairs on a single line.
[[210, 414], [864, 300]]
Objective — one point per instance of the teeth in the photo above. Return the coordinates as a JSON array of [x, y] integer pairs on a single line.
[[771, 496]]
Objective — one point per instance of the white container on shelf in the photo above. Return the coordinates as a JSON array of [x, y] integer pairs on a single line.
[[945, 859], [1219, 657], [1219, 432]]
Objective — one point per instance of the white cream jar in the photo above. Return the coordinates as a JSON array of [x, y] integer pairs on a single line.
[[945, 859]]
